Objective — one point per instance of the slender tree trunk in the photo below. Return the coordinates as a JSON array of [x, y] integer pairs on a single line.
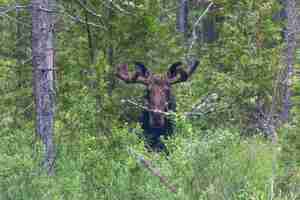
[[209, 29], [112, 79], [23, 72], [162, 15], [20, 76], [95, 85], [43, 65], [90, 41], [182, 17], [206, 30], [289, 56], [182, 27], [110, 52]]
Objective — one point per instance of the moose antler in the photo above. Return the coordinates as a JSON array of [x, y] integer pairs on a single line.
[[184, 74], [139, 76]]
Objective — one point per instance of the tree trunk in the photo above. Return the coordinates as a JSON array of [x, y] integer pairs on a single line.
[[43, 65], [110, 51], [95, 83], [182, 17], [209, 29], [289, 56]]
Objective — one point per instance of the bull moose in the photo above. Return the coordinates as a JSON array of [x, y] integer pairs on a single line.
[[158, 99]]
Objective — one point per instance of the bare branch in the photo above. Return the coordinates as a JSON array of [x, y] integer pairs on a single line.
[[195, 37], [89, 10], [79, 20], [5, 10], [201, 108], [154, 171], [15, 20], [113, 5], [145, 108], [19, 112], [47, 10]]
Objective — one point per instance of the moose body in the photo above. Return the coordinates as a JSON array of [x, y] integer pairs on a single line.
[[159, 100]]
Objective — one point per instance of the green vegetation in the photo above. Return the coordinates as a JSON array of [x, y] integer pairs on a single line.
[[211, 164], [220, 153]]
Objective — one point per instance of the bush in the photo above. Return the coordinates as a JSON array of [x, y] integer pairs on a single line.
[[210, 164]]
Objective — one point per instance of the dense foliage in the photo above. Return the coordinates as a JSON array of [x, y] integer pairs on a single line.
[[217, 152]]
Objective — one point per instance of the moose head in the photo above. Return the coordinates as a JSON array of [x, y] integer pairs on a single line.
[[158, 92]]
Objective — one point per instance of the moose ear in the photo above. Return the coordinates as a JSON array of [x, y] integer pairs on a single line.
[[141, 69]]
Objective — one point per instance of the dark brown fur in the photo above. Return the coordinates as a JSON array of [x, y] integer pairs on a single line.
[[158, 100]]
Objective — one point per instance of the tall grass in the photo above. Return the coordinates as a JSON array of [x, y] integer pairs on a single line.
[[213, 164]]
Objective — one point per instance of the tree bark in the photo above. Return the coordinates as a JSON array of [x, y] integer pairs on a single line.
[[95, 83], [110, 52], [182, 17], [43, 66], [289, 56]]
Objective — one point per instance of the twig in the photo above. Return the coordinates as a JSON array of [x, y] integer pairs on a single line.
[[89, 10], [78, 19], [22, 111], [47, 10], [206, 101], [15, 20], [4, 11], [194, 111], [145, 108], [203, 14], [118, 8], [27, 60], [154, 171], [197, 24]]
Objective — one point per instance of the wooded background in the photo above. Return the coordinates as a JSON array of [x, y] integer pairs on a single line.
[[69, 131]]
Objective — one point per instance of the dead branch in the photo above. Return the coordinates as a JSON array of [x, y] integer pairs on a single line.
[[154, 171]]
